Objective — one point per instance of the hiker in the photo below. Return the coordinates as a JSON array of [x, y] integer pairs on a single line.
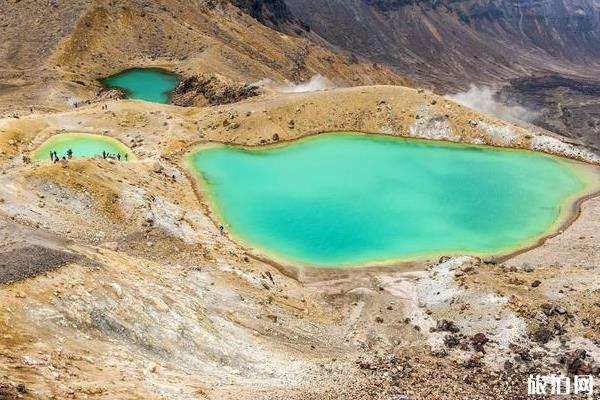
[[70, 153], [119, 156], [126, 156], [55, 155], [103, 154], [51, 156]]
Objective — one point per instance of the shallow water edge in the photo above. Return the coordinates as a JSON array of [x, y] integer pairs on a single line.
[[569, 209]]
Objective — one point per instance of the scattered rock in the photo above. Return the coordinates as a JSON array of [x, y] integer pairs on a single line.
[[478, 341], [489, 260], [575, 363], [451, 340], [112, 246], [548, 309], [157, 167], [446, 326], [117, 289], [473, 362], [522, 352], [272, 317], [527, 267], [149, 217], [542, 335]]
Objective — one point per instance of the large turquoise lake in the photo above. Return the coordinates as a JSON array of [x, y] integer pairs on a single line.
[[149, 84], [351, 199]]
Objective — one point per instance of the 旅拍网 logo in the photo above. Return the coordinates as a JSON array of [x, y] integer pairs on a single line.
[[560, 385]]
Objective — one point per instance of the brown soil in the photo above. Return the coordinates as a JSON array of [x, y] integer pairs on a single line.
[[122, 287]]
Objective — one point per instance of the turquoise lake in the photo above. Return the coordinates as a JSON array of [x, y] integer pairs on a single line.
[[84, 145], [350, 199], [147, 84]]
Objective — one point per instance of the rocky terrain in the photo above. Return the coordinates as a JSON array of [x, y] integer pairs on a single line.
[[116, 282], [132, 291], [572, 105], [201, 90], [449, 45], [68, 46]]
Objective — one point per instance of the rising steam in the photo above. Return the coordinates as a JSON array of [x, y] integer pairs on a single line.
[[484, 98], [314, 84]]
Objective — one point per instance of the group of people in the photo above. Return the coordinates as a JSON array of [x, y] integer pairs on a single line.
[[54, 156], [117, 156]]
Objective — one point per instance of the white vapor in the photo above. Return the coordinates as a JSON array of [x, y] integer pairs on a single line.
[[483, 98], [314, 84]]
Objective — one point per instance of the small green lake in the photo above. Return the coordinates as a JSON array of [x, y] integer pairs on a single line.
[[149, 84], [349, 199], [83, 145]]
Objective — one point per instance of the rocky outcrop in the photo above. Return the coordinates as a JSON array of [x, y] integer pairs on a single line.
[[212, 90]]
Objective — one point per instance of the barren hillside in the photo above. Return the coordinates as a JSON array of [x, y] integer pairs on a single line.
[[132, 291], [63, 54], [450, 45], [117, 280]]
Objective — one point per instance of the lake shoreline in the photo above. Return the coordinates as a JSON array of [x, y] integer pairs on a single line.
[[300, 269], [40, 153]]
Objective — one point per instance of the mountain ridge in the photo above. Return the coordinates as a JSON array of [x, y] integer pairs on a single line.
[[451, 45]]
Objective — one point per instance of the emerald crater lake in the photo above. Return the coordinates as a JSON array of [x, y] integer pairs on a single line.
[[149, 84], [83, 145], [346, 199]]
